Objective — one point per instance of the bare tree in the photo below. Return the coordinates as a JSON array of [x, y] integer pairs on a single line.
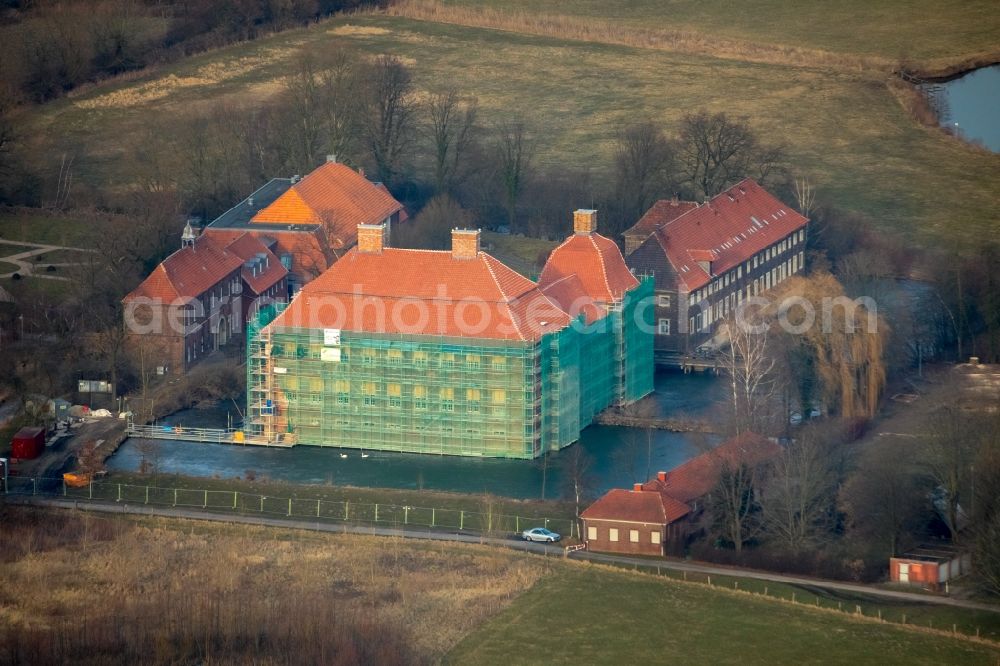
[[452, 127], [578, 480], [431, 229], [644, 170], [884, 498], [388, 116], [513, 151], [733, 503], [716, 150], [750, 366], [805, 196], [798, 499], [305, 109]]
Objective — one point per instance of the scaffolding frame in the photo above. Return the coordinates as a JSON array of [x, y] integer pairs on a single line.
[[442, 395]]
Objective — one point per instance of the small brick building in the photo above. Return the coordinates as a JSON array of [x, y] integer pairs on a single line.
[[634, 521], [656, 517]]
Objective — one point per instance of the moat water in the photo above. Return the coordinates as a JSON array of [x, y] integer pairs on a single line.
[[973, 106], [620, 455]]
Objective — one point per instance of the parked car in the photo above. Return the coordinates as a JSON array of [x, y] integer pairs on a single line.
[[539, 534]]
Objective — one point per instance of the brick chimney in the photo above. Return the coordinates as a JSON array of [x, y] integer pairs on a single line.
[[637, 487], [584, 221], [465, 243], [661, 476], [371, 238]]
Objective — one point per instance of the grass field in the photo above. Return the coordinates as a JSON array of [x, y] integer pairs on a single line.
[[843, 129], [604, 617], [891, 29]]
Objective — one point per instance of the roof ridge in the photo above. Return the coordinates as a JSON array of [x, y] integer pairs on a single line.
[[483, 257], [604, 268]]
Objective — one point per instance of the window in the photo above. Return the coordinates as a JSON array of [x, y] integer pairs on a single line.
[[472, 397], [472, 361], [420, 359], [395, 393], [420, 397], [654, 537], [592, 533], [498, 363], [368, 356], [447, 360], [395, 356], [633, 536], [664, 327], [499, 396], [663, 300], [447, 399], [612, 534], [368, 391]]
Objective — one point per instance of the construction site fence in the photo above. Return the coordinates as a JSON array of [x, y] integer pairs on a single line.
[[238, 501]]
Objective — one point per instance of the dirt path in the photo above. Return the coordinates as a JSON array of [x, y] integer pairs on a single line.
[[25, 268]]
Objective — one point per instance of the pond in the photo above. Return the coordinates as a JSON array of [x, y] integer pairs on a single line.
[[620, 455], [972, 106]]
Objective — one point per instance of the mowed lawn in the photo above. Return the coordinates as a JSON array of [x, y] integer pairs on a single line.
[[843, 130], [596, 616], [926, 30]]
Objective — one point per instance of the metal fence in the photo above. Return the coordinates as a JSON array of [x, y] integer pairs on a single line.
[[345, 511]]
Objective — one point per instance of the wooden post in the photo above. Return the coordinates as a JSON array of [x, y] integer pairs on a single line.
[[317, 508], [347, 510], [147, 495], [376, 512], [34, 486], [262, 504], [289, 506], [204, 501], [433, 511], [710, 581], [461, 519], [91, 490], [235, 493], [793, 597], [517, 524], [64, 487], [175, 497], [406, 515], [119, 493]]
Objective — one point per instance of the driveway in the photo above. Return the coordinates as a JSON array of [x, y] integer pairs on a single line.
[[26, 268]]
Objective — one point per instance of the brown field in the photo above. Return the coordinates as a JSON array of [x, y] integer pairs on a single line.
[[76, 588]]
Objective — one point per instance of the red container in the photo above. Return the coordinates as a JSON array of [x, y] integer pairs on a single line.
[[28, 443]]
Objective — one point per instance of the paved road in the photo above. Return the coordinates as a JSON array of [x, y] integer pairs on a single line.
[[516, 544]]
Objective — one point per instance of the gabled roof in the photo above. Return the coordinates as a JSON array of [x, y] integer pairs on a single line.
[[636, 506], [569, 294], [596, 261], [308, 250], [728, 230], [424, 292], [660, 213], [333, 196], [189, 272], [698, 476], [258, 275]]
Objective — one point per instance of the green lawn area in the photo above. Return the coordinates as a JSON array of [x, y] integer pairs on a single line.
[[589, 615], [919, 29], [844, 130], [47, 228]]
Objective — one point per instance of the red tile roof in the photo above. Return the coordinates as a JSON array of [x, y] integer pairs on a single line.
[[424, 292], [189, 272], [568, 293], [248, 247], [728, 230], [596, 261], [308, 249], [661, 212], [698, 476], [636, 506], [335, 197]]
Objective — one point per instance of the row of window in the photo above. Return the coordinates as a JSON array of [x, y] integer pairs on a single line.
[[420, 359], [722, 308], [593, 534], [731, 276]]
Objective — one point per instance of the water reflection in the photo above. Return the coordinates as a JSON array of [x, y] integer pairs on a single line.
[[620, 455]]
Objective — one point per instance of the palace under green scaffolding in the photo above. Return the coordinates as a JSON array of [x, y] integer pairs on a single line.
[[339, 383]]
